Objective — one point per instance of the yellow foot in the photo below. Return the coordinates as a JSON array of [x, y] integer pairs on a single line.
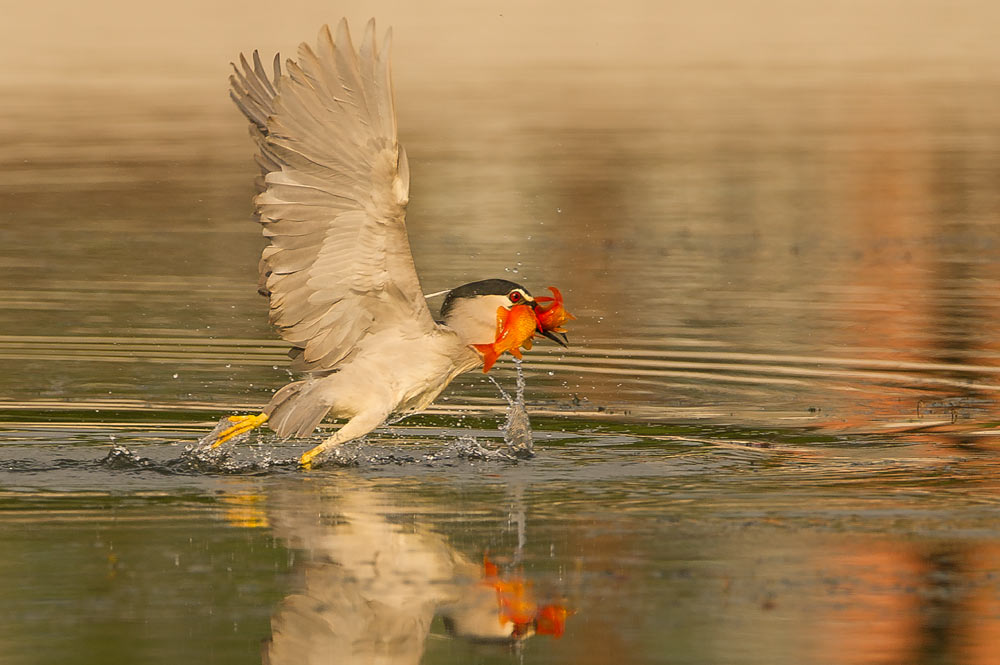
[[240, 425], [306, 461]]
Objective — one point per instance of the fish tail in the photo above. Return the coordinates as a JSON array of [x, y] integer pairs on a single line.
[[490, 355]]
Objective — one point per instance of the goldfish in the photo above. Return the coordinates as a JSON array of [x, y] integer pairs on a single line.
[[552, 317], [551, 620], [516, 605], [515, 328]]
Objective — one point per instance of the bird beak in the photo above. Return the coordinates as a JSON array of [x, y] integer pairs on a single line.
[[551, 316], [557, 337]]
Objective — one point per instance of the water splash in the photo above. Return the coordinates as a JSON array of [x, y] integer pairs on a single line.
[[121, 458], [469, 448], [196, 460], [230, 457], [358, 453], [253, 459], [517, 426]]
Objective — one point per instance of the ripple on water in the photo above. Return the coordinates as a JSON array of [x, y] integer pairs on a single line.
[[633, 380]]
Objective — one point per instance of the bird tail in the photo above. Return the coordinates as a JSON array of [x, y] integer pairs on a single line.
[[296, 409]]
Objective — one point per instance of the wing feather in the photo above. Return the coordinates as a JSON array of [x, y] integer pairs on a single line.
[[332, 196]]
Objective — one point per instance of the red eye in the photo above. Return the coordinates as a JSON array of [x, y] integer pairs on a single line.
[[514, 296]]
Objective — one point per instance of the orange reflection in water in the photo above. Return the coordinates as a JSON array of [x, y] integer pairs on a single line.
[[900, 603], [911, 291], [517, 605], [982, 604], [875, 620], [372, 583]]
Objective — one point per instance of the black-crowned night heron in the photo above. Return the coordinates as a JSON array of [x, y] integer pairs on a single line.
[[375, 575], [337, 268]]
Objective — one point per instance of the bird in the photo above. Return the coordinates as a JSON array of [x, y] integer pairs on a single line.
[[372, 583], [337, 269]]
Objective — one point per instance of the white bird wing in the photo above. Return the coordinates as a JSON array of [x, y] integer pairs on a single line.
[[332, 197]]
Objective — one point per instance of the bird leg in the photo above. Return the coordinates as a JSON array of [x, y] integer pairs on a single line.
[[354, 428], [240, 425]]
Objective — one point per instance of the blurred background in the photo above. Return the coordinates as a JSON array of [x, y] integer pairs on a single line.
[[778, 224], [776, 207]]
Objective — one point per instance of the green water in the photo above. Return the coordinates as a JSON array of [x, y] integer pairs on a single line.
[[773, 439]]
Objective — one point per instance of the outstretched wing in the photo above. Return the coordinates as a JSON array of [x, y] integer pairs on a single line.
[[332, 197]]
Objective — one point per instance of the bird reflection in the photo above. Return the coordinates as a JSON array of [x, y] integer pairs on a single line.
[[374, 580]]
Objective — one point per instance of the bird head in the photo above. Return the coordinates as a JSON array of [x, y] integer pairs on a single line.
[[471, 310]]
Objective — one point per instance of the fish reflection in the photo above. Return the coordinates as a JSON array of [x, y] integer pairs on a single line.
[[374, 580]]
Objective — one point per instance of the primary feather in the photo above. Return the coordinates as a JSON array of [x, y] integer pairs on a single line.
[[332, 197]]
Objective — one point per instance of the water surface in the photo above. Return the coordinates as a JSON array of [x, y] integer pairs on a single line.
[[773, 440]]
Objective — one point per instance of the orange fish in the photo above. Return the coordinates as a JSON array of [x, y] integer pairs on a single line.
[[551, 620], [490, 569], [515, 328], [516, 605], [552, 317]]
